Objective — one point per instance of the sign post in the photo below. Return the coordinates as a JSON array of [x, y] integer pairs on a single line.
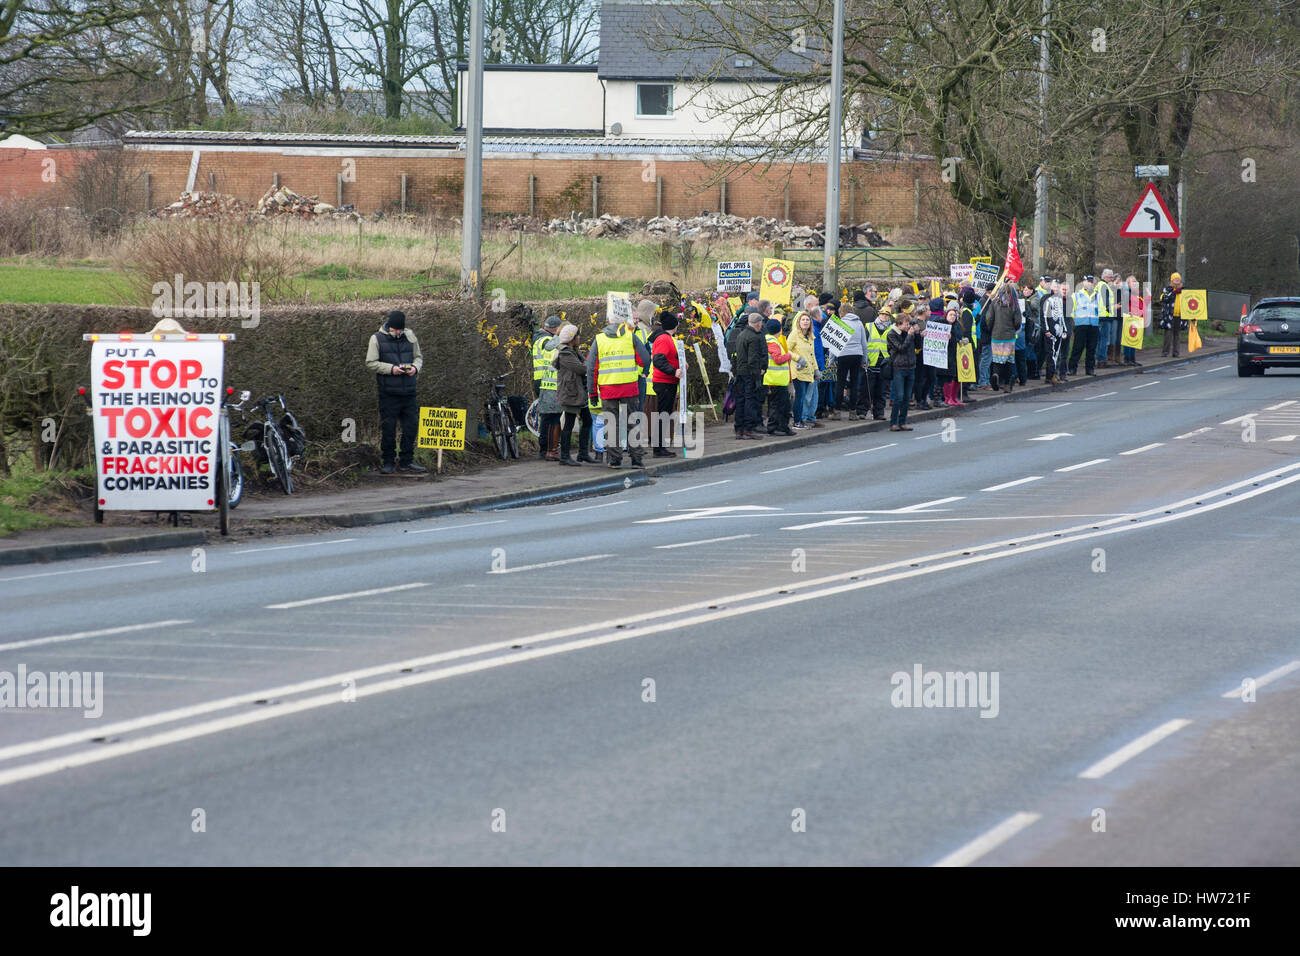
[[1150, 217]]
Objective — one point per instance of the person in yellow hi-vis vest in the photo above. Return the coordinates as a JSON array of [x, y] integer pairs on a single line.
[[544, 378], [777, 381], [614, 364]]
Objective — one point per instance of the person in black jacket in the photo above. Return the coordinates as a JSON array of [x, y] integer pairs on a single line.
[[394, 356], [749, 367]]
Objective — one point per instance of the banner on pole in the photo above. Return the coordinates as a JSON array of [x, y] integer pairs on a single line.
[[778, 281], [965, 362]]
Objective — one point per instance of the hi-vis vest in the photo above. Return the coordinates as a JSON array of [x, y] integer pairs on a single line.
[[776, 374], [645, 370], [877, 348], [1085, 307], [544, 373], [1105, 300], [617, 359]]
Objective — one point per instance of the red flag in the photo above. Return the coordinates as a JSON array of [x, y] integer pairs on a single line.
[[1014, 268]]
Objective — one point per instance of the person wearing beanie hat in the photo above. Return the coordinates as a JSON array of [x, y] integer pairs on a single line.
[[571, 393], [777, 381], [1170, 317], [665, 374], [876, 361], [544, 384], [394, 356]]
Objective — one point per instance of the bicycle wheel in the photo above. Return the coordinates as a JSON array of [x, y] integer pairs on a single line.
[[235, 479], [533, 419], [497, 428], [277, 455], [512, 433]]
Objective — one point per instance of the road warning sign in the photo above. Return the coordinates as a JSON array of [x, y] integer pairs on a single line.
[[1150, 218], [442, 428]]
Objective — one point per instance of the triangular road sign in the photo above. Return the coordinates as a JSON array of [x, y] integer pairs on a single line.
[[1150, 218]]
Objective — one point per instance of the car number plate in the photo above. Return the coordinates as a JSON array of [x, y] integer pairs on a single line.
[[1284, 350]]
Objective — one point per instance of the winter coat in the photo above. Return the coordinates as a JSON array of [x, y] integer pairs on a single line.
[[1004, 317], [858, 344], [902, 349], [571, 377], [802, 347], [751, 353]]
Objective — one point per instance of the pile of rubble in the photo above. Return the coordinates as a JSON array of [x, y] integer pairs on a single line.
[[714, 226], [202, 205], [282, 201], [276, 201]]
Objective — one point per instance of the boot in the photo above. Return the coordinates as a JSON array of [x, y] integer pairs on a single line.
[[553, 443]]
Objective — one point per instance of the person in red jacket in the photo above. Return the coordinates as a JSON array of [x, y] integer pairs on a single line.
[[665, 374], [777, 381]]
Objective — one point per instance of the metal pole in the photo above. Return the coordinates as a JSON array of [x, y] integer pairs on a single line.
[[830, 280], [471, 234], [1040, 181], [1181, 258]]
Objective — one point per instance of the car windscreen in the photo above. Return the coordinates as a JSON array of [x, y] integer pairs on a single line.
[[1282, 312]]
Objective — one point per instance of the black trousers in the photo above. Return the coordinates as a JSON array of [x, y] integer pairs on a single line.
[[850, 376], [778, 407], [665, 400], [924, 385], [748, 402], [394, 409], [877, 385], [1085, 344]]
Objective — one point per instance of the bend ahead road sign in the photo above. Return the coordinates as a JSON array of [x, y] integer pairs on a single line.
[[1150, 218]]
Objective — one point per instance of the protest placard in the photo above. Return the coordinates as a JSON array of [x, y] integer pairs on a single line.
[[735, 276], [778, 281], [618, 308], [836, 334], [961, 271], [934, 350], [986, 275], [965, 362], [441, 428]]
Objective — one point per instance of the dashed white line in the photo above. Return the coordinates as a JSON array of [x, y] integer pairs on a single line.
[[1012, 484], [690, 544], [1267, 678], [1102, 395], [1285, 438], [1198, 431], [1239, 418], [865, 450], [82, 635], [1147, 385], [453, 527], [1050, 407], [931, 435], [1219, 369], [104, 567], [926, 504], [1138, 451], [773, 471], [343, 597], [1133, 748], [1273, 408], [1085, 464], [552, 564], [285, 547], [1177, 377], [996, 420], [607, 504], [697, 487], [991, 840]]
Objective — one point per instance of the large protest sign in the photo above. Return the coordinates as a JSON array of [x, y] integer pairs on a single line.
[[935, 344], [836, 334], [618, 308], [156, 407], [985, 277], [735, 276], [1133, 330], [441, 428], [778, 281], [961, 271]]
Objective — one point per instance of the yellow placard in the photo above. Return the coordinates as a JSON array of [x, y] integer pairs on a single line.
[[442, 428], [1192, 304], [965, 362], [988, 260], [1133, 328], [778, 281], [736, 303]]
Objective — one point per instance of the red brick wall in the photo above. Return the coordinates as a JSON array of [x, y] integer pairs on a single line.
[[883, 192], [30, 172]]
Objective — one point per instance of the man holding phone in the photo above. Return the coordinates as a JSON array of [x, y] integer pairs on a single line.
[[394, 356]]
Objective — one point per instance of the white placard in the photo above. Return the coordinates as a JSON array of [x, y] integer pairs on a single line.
[[934, 350], [961, 271], [836, 335], [735, 276], [618, 308]]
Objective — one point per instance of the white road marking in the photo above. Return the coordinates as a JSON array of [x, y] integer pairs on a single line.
[[996, 420], [1285, 438], [865, 450], [691, 544], [1138, 451], [926, 504], [1012, 484], [1052, 437], [1239, 418], [1085, 464], [1219, 369], [454, 527], [83, 635], [552, 564], [1273, 408], [931, 435], [991, 840], [1102, 395], [773, 471], [1177, 377], [1199, 431], [343, 597], [1050, 407], [104, 567], [810, 590], [285, 547], [1147, 385], [691, 514], [697, 487], [1133, 748], [1267, 678], [607, 504]]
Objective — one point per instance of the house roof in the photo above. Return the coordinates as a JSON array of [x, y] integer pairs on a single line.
[[636, 43]]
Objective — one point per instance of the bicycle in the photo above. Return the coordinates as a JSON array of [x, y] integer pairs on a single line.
[[232, 476], [276, 443], [500, 421]]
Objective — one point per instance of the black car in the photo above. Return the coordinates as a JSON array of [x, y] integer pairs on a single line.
[[1269, 336]]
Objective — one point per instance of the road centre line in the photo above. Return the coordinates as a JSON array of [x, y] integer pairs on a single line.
[[773, 471], [1199, 431], [697, 487], [1273, 408], [1285, 438], [104, 567], [1102, 395], [1219, 368], [932, 434], [865, 450], [552, 564], [1268, 678], [454, 527], [1177, 377], [343, 597], [626, 625], [1239, 418], [1050, 407], [991, 840], [1085, 464], [607, 504], [927, 504], [1138, 451], [691, 544], [1133, 748], [1147, 385], [1012, 484], [996, 420], [83, 635], [285, 547]]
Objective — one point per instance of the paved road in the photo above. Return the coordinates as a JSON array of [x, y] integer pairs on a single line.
[[391, 694]]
